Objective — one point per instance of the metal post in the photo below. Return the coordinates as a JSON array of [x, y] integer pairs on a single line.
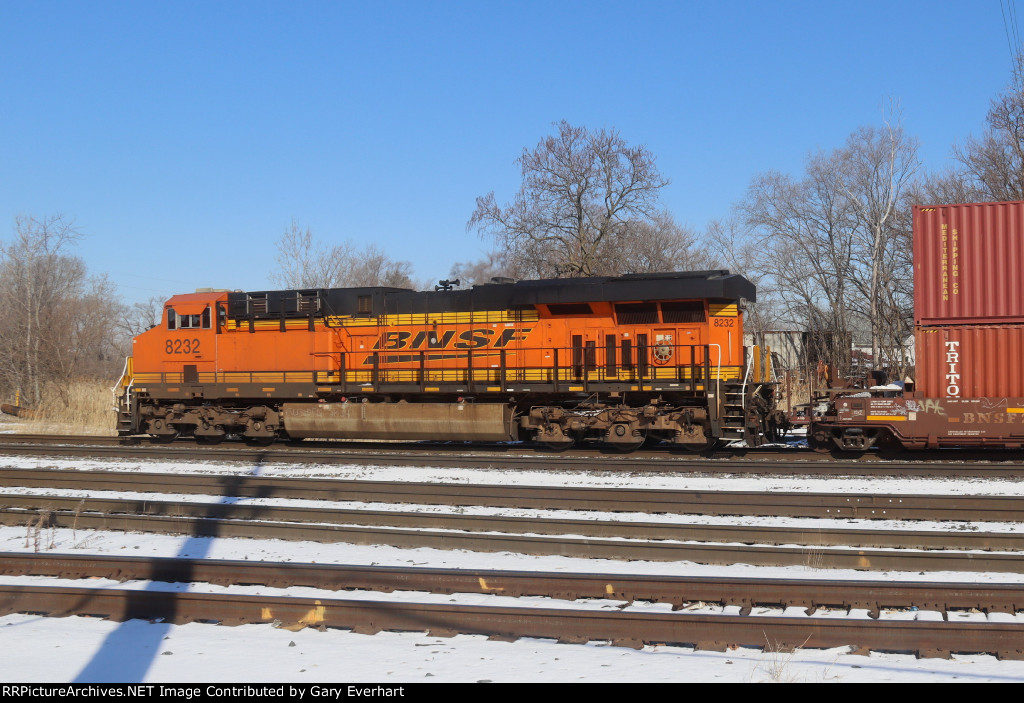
[[341, 372]]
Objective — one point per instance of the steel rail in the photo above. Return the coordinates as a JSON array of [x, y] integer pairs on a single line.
[[946, 464], [680, 591], [811, 556], [714, 632], [746, 534], [770, 504]]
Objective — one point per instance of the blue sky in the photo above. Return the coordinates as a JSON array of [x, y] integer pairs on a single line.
[[184, 137]]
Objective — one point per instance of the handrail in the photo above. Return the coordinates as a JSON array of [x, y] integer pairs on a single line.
[[117, 385]]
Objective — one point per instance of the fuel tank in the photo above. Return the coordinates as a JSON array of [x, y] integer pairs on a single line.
[[468, 422]]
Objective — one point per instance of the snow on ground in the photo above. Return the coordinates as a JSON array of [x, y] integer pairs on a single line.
[[37, 649]]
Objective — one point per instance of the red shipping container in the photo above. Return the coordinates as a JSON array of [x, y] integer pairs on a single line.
[[971, 361], [969, 264]]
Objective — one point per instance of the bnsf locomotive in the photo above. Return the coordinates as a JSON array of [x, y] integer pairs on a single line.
[[617, 360]]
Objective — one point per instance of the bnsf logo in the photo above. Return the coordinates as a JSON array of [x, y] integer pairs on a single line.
[[470, 339]]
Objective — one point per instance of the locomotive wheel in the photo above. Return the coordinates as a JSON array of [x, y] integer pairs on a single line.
[[699, 447], [557, 446], [627, 448], [209, 439]]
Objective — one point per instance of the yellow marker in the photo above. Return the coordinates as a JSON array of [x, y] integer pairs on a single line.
[[485, 587], [314, 617]]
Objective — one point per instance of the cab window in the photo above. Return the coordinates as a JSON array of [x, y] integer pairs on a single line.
[[189, 322]]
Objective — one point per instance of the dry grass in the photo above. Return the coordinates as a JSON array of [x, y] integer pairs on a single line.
[[85, 407], [799, 392]]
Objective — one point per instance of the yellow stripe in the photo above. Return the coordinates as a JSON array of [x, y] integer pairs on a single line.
[[437, 318], [885, 418], [1015, 410]]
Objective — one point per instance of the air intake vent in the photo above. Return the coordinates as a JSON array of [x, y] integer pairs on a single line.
[[258, 303]]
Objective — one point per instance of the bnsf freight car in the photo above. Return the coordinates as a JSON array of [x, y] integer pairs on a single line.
[[969, 335], [617, 360]]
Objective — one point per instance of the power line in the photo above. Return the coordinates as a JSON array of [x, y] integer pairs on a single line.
[[1010, 28]]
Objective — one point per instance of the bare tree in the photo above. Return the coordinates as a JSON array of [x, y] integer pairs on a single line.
[[876, 168], [994, 163], [583, 193], [305, 263], [739, 252], [805, 229], [139, 317], [56, 324], [371, 267], [658, 244], [949, 186], [840, 240]]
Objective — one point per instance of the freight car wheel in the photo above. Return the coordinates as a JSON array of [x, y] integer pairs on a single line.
[[162, 438], [260, 441], [820, 442]]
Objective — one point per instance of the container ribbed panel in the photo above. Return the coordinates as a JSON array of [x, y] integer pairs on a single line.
[[970, 361], [969, 263]]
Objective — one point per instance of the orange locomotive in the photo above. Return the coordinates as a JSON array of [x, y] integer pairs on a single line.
[[555, 361]]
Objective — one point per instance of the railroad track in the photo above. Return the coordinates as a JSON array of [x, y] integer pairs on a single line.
[[600, 539], [280, 523], [762, 461], [744, 593], [768, 504], [614, 624], [622, 624]]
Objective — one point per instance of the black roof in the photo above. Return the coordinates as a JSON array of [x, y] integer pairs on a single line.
[[718, 285]]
